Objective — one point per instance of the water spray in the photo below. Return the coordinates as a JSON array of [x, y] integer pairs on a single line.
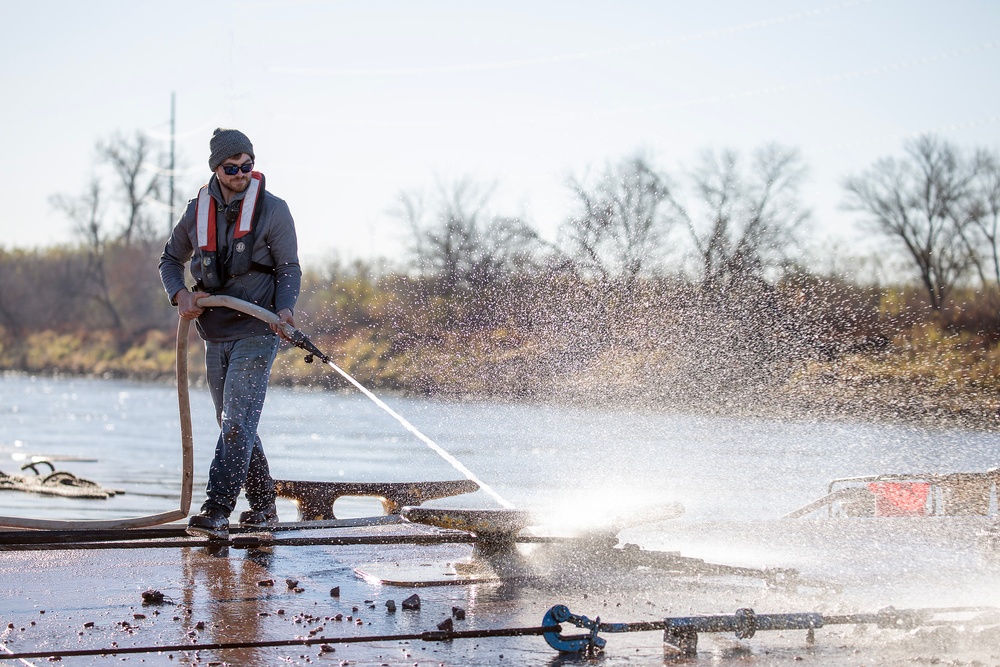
[[300, 340]]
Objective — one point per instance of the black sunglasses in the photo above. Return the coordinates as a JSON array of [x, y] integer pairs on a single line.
[[231, 169]]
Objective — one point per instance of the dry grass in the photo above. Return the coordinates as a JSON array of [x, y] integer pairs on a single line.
[[815, 358]]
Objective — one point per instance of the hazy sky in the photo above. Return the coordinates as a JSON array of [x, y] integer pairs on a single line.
[[349, 102]]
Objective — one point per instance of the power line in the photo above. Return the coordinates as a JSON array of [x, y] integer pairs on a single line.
[[569, 57], [899, 138], [665, 106], [166, 171], [165, 136]]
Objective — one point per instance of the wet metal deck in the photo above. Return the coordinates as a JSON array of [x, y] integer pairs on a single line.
[[66, 600]]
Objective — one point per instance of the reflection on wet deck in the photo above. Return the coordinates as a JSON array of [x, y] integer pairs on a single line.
[[67, 599]]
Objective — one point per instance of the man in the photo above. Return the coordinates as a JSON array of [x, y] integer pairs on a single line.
[[241, 243]]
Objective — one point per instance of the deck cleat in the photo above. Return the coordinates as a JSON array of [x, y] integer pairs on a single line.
[[315, 500]]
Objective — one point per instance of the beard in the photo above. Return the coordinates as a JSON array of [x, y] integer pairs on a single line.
[[239, 184]]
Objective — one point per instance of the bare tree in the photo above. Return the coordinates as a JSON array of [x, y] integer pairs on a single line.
[[42, 289], [137, 183], [86, 213], [984, 212], [922, 203], [117, 232], [620, 226], [742, 221], [10, 295], [461, 241]]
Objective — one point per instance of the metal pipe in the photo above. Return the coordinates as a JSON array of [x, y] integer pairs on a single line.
[[255, 542], [430, 636], [16, 538], [682, 632]]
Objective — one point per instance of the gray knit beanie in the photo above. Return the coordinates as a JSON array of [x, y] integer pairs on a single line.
[[225, 144]]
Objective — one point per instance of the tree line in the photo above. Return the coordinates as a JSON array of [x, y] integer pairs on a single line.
[[728, 222], [705, 259]]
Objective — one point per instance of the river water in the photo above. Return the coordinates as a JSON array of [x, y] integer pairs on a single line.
[[545, 458], [568, 466]]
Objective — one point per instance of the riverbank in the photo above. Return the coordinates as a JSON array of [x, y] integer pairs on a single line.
[[921, 376]]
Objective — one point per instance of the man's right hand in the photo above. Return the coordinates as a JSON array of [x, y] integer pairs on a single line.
[[187, 303]]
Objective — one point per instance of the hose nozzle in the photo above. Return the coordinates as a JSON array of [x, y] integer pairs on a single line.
[[299, 340]]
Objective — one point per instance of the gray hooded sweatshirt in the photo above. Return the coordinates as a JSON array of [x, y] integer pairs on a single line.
[[274, 245]]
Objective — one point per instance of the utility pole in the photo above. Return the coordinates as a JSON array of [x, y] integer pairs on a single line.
[[170, 223]]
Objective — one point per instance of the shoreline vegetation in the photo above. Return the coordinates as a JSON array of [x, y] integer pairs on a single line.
[[804, 348], [681, 289]]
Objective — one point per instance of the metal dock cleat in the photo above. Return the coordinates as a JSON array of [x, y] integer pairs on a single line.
[[315, 500]]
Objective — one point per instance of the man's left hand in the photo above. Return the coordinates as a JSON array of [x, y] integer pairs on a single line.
[[285, 315]]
